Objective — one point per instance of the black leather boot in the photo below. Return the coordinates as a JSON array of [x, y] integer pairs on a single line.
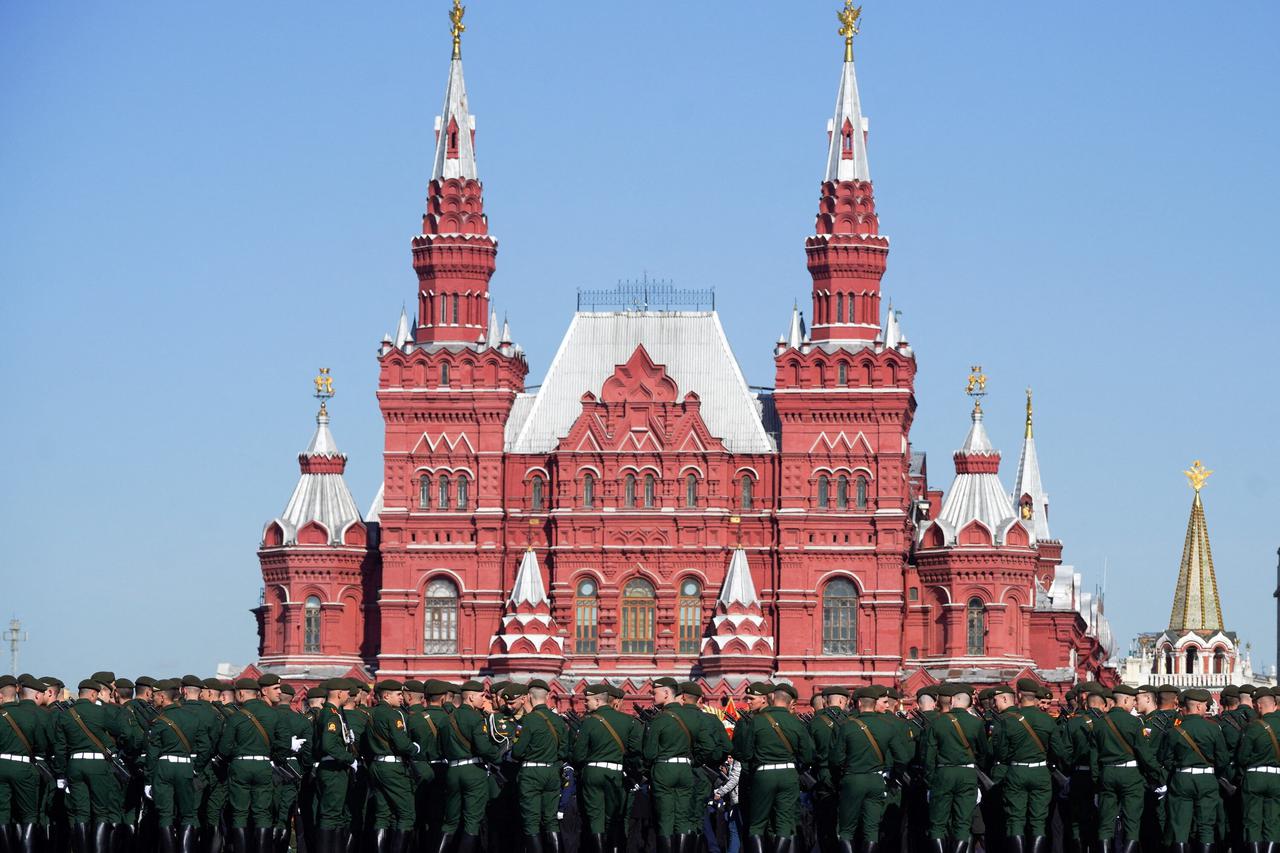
[[1178, 847], [468, 843], [550, 842], [844, 845], [446, 843], [1130, 846], [962, 845], [30, 837], [1013, 844], [167, 839], [935, 845], [533, 844], [755, 844], [189, 839], [785, 845], [872, 847], [1040, 844], [102, 838], [263, 838], [678, 842], [80, 838]]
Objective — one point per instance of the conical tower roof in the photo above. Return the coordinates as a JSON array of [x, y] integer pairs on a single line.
[[1196, 606]]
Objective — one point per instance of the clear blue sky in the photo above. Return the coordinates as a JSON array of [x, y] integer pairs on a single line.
[[201, 204]]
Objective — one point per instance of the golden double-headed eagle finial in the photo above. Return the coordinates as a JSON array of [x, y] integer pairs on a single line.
[[976, 386], [849, 16], [324, 387], [1196, 475], [456, 27]]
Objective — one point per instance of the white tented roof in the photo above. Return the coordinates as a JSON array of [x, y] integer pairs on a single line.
[[691, 345]]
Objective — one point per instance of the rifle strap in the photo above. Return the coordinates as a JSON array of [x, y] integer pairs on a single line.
[[551, 728], [781, 734], [1275, 745], [186, 744], [688, 734], [1035, 737], [257, 725], [1106, 718], [875, 745], [614, 734], [32, 752], [1195, 746], [97, 742], [435, 733], [964, 740], [453, 721]]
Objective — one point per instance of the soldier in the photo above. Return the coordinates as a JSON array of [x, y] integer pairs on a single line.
[[1257, 759], [24, 739], [129, 746], [540, 748], [334, 750], [84, 741], [388, 751], [668, 748], [778, 746], [505, 708], [1124, 761], [605, 741], [955, 748], [422, 731], [1248, 700], [468, 747], [432, 795], [823, 728], [757, 699], [715, 747], [250, 739], [1020, 751], [297, 728], [356, 712], [1193, 753], [867, 749], [178, 752]]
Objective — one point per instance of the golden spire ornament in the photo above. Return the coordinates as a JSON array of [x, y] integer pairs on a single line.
[[977, 386], [324, 387], [849, 16], [1029, 411], [1196, 475], [457, 28]]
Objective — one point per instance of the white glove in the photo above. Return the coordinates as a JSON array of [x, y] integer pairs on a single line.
[[417, 747], [146, 791], [62, 784], [1161, 791], [559, 815], [296, 743], [979, 797], [928, 796]]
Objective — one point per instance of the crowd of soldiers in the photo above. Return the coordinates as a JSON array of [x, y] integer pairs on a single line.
[[190, 764]]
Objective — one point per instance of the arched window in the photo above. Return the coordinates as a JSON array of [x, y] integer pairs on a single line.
[[1219, 662], [586, 622], [861, 496], [455, 309], [824, 491], [588, 490], [1168, 660], [311, 625], [444, 376], [648, 489], [637, 617], [444, 309], [747, 487], [629, 491], [691, 490], [689, 617], [424, 492], [976, 622], [839, 307], [536, 498], [842, 374], [840, 618], [1192, 655], [443, 494], [842, 492], [440, 618], [463, 489]]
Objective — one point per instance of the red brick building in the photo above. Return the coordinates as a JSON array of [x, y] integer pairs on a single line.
[[644, 511]]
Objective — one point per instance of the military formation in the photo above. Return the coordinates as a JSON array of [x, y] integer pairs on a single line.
[[197, 764]]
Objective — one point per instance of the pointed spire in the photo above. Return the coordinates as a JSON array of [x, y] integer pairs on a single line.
[[977, 440], [506, 330], [847, 149], [1196, 606], [455, 126], [495, 340], [404, 332], [1028, 492], [528, 587], [322, 443], [796, 334], [738, 587], [740, 641], [893, 337]]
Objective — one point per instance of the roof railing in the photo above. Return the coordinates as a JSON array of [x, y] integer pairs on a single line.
[[647, 295]]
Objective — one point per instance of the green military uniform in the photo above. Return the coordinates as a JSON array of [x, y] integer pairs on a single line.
[[1193, 752], [711, 746], [389, 750], [467, 746], [1020, 751], [916, 794], [1124, 764], [295, 728], [358, 719], [178, 751], [214, 805], [823, 728], [433, 796], [424, 733], [670, 749], [739, 742], [777, 745], [504, 800], [251, 738], [1257, 759], [867, 748], [333, 748], [1073, 745], [606, 739], [24, 736], [81, 736], [541, 747], [955, 746]]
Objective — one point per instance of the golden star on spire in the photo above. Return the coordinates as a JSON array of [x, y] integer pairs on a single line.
[[457, 28], [1196, 475], [849, 16]]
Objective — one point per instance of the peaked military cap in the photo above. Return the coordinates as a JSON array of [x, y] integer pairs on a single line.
[[247, 684], [167, 684], [388, 684], [53, 681], [616, 692], [30, 682], [1230, 692], [436, 687], [666, 681], [1259, 692], [836, 690], [8, 681], [288, 690], [87, 684], [538, 684], [104, 677], [690, 688], [358, 684], [1148, 688], [1195, 694], [192, 681], [124, 684], [1248, 690], [989, 692], [1124, 690], [269, 679], [145, 681], [870, 691], [893, 693], [1166, 689], [928, 690], [413, 685], [471, 686], [788, 689], [597, 689], [1044, 693], [496, 687], [1028, 685], [515, 691], [999, 690], [759, 688]]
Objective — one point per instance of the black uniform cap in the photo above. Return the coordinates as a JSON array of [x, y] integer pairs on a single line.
[[8, 681], [87, 684], [788, 689], [413, 685], [471, 686], [124, 684], [836, 690], [1195, 694], [104, 677], [689, 688], [388, 684], [145, 681], [269, 679], [928, 690], [53, 681], [436, 687], [597, 690], [288, 690], [666, 681], [616, 692]]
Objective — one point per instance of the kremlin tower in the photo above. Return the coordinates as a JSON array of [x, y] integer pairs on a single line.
[[644, 511]]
